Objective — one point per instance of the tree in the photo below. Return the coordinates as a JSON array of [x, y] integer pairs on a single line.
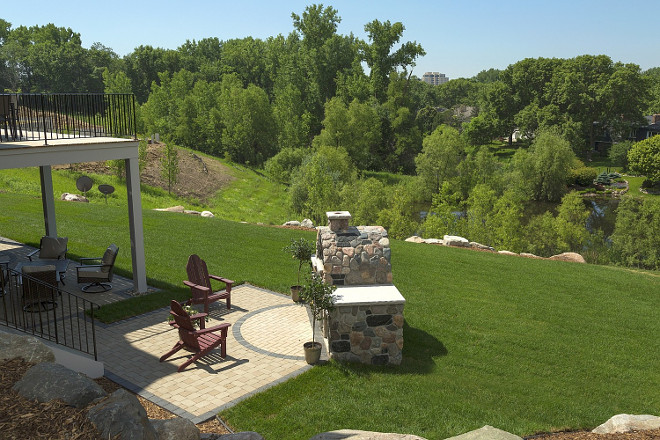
[[446, 215], [318, 181], [284, 164], [442, 151], [488, 76], [507, 221], [116, 82], [587, 90], [376, 53], [481, 204], [356, 128], [169, 166], [45, 59], [145, 65], [636, 237], [544, 171], [570, 223], [618, 154], [644, 158], [248, 135], [364, 199], [401, 217]]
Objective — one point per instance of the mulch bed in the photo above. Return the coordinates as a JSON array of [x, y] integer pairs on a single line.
[[23, 419]]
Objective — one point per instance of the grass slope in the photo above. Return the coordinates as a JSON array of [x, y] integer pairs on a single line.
[[523, 345]]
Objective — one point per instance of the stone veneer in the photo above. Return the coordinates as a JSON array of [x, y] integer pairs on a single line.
[[350, 255], [367, 325]]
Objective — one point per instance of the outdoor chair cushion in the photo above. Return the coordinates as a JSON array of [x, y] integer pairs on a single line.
[[91, 274], [108, 259], [53, 248]]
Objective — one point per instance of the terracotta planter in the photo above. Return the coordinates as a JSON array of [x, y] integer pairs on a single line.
[[295, 293], [312, 352]]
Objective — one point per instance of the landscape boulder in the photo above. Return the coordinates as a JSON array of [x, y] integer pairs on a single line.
[[191, 212], [437, 241], [628, 422], [505, 252], [177, 208], [207, 214], [292, 223], [26, 347], [415, 239], [177, 428], [475, 245], [48, 381], [569, 256], [455, 240], [486, 433], [352, 434], [528, 255], [122, 415], [307, 223], [68, 197]]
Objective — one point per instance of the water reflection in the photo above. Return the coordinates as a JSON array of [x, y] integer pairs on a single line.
[[602, 215]]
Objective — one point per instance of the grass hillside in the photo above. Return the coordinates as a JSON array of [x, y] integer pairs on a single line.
[[524, 345], [233, 192]]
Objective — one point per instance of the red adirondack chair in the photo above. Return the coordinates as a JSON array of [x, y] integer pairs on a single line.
[[201, 341], [199, 282]]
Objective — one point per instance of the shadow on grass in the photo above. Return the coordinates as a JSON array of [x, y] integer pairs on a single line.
[[419, 350]]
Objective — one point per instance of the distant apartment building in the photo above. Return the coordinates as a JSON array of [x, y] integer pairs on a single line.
[[434, 78]]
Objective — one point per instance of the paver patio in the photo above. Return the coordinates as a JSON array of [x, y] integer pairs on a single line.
[[264, 347]]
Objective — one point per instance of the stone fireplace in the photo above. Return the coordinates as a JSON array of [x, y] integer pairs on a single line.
[[367, 323], [353, 255]]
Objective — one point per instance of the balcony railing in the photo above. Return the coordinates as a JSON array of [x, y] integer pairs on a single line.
[[56, 315], [33, 117]]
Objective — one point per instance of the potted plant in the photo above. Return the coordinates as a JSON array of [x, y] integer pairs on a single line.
[[300, 250], [318, 295]]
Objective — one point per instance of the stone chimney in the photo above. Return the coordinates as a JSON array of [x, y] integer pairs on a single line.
[[350, 255]]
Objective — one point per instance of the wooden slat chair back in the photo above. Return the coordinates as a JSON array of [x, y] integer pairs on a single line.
[[199, 282], [39, 288], [200, 341]]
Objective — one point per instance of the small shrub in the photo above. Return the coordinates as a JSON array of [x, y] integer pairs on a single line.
[[583, 176]]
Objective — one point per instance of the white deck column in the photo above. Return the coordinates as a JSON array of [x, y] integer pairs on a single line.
[[136, 226], [47, 200]]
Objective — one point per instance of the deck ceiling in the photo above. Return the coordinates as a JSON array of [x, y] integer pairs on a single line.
[[22, 154]]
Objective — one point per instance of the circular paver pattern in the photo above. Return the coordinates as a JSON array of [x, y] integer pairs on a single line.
[[262, 328]]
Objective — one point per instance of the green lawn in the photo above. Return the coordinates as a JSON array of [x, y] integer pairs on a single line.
[[524, 345]]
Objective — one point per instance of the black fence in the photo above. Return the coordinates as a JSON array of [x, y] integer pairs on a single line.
[[31, 117], [40, 308]]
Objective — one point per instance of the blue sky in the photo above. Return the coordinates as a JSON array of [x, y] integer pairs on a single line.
[[461, 38]]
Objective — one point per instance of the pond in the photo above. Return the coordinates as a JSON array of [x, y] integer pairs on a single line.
[[603, 214]]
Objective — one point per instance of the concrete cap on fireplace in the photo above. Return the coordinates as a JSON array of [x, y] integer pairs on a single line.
[[338, 219]]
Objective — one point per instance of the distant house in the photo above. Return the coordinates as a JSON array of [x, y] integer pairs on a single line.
[[646, 131], [604, 140]]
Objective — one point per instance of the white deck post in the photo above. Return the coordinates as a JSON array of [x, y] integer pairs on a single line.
[[136, 226], [47, 200]]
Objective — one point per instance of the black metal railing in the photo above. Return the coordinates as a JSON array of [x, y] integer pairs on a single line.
[[30, 117], [44, 310]]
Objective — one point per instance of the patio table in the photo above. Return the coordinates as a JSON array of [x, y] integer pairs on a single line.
[[60, 266]]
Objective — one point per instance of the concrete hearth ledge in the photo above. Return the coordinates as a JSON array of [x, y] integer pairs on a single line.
[[371, 294]]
